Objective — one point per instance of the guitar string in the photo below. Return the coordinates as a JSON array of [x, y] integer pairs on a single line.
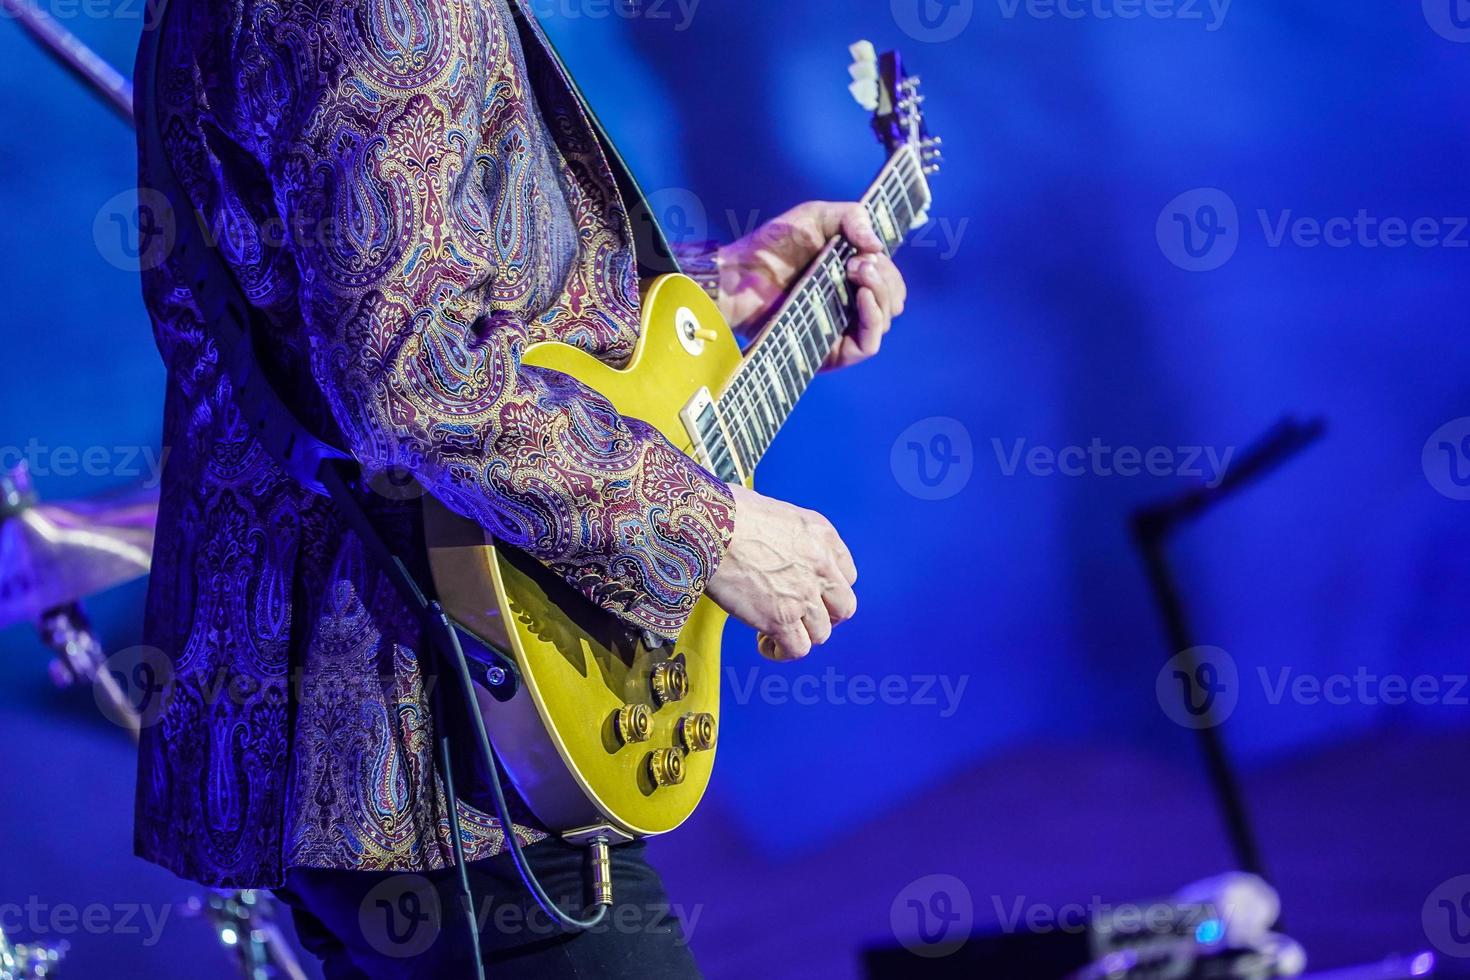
[[750, 434], [805, 312], [790, 364], [791, 375]]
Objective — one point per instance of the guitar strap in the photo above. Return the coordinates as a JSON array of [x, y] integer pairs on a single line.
[[663, 259]]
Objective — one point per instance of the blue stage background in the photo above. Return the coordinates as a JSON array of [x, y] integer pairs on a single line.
[[1050, 307]]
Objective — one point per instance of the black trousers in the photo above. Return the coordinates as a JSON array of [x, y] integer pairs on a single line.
[[401, 925]]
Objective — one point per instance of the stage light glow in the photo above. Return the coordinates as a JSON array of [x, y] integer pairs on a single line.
[[1209, 932]]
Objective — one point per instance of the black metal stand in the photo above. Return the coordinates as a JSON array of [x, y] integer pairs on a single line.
[[1152, 528]]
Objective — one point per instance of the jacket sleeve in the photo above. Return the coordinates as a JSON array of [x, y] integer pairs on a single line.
[[407, 231]]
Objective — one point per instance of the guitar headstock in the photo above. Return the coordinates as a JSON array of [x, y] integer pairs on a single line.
[[881, 86]]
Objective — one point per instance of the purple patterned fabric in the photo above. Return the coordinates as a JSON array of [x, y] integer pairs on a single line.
[[411, 197]]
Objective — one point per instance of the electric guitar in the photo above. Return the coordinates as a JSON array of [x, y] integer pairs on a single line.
[[610, 732]]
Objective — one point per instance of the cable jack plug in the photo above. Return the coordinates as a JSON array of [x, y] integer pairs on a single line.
[[601, 856]]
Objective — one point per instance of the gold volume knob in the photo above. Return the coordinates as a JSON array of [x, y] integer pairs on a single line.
[[633, 722], [697, 731], [666, 766], [669, 681]]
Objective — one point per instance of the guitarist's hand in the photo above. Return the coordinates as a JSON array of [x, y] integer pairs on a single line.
[[757, 271], [786, 573]]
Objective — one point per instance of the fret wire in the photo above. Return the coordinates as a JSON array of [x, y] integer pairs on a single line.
[[893, 207], [750, 391], [747, 437], [780, 368]]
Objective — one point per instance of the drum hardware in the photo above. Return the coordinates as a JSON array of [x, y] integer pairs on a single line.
[[52, 555], [29, 961], [246, 924]]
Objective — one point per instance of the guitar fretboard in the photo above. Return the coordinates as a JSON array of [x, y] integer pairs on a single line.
[[791, 348]]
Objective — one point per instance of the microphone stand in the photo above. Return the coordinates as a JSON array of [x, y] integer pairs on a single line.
[[1152, 528]]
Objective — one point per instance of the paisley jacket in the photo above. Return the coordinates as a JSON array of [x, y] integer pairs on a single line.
[[410, 194]]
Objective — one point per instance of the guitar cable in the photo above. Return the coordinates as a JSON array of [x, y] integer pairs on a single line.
[[449, 653]]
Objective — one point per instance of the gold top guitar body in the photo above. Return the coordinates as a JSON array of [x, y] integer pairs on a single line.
[[610, 733], [607, 731]]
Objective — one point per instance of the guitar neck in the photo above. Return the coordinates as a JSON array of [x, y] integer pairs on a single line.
[[789, 351]]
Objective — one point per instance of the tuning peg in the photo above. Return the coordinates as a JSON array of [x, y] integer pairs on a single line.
[[864, 72], [933, 141]]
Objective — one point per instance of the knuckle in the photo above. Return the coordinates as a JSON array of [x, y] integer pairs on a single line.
[[796, 645]]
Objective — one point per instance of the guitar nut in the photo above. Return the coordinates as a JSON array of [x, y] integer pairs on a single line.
[[633, 723]]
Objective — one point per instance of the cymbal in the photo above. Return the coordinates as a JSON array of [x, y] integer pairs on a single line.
[[56, 553]]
